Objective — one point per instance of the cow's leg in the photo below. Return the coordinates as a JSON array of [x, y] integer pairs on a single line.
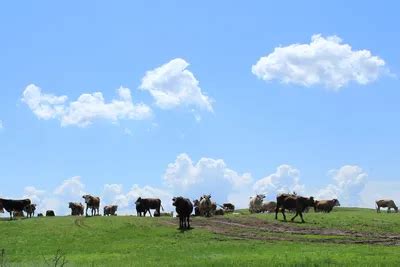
[[188, 221], [388, 210], [283, 213], [301, 216], [11, 215], [86, 211], [150, 212], [276, 212], [297, 213], [378, 209]]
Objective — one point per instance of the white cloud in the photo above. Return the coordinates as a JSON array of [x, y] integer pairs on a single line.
[[286, 179], [325, 61], [86, 109], [172, 85], [206, 176], [72, 187], [349, 182]]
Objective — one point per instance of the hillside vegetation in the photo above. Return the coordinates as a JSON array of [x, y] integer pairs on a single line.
[[347, 236]]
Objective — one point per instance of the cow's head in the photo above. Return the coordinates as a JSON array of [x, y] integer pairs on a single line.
[[310, 202], [174, 201], [196, 202], [138, 201], [87, 198], [114, 208], [336, 202], [260, 196]]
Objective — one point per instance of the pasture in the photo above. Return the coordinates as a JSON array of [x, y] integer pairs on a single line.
[[346, 236]]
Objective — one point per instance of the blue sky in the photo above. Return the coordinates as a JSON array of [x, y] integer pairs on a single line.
[[254, 127]]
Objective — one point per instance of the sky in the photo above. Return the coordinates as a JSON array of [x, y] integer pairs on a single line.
[[168, 98]]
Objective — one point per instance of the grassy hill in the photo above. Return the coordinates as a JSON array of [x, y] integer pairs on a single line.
[[347, 236]]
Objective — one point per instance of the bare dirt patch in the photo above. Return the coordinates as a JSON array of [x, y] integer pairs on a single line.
[[256, 229]]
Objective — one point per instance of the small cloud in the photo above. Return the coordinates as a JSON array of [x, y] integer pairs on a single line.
[[172, 85]]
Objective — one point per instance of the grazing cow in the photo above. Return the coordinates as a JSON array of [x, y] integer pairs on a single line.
[[219, 212], [93, 203], [206, 206], [110, 210], [30, 210], [256, 203], [268, 207], [40, 215], [149, 203], [325, 205], [13, 205], [50, 213], [77, 208], [228, 207], [386, 203], [290, 201], [183, 208]]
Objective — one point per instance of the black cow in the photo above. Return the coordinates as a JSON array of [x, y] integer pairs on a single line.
[[11, 205], [50, 213], [149, 203], [292, 202], [140, 210], [30, 210], [183, 208]]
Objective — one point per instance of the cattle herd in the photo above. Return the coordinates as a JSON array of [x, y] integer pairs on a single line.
[[185, 208]]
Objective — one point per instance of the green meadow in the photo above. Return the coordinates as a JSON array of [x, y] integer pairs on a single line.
[[345, 237]]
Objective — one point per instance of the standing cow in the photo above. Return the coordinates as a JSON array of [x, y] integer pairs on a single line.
[[11, 205], [325, 205], [183, 208], [290, 201], [93, 203], [386, 203], [268, 207], [30, 210], [255, 204], [145, 204], [206, 206], [77, 208], [110, 210]]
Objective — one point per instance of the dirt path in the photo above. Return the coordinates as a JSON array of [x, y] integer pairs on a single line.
[[253, 228]]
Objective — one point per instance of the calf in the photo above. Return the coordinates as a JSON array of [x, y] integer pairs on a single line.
[[93, 203], [30, 210], [183, 208], [110, 210], [256, 203], [268, 206], [50, 213], [77, 208], [325, 205]]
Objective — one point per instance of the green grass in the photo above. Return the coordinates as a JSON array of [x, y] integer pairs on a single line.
[[132, 241]]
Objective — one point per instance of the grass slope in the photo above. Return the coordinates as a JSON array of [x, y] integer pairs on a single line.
[[132, 241]]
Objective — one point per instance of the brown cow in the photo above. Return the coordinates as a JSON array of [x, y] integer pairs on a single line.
[[206, 206], [325, 205], [146, 204], [92, 203], [77, 208], [11, 205], [18, 213], [183, 208], [30, 210], [290, 201], [268, 206], [386, 203], [110, 210]]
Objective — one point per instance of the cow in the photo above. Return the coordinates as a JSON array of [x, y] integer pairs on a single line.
[[149, 203], [140, 210], [206, 206], [18, 213], [11, 205], [325, 205], [50, 213], [30, 210], [256, 203], [93, 203], [386, 203], [183, 208], [268, 207], [228, 207], [110, 210], [290, 201], [77, 208], [40, 215], [196, 204]]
